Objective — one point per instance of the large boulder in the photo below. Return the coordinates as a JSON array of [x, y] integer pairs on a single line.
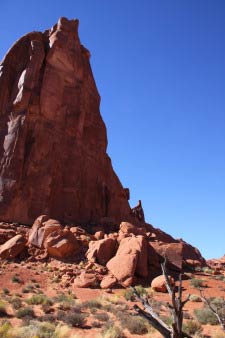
[[159, 283], [85, 280], [42, 227], [12, 247], [108, 282], [173, 252], [131, 258], [61, 244], [102, 251]]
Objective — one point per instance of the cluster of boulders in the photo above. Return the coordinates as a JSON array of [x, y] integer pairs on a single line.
[[129, 256]]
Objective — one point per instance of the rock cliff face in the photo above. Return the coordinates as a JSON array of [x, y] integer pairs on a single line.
[[52, 138]]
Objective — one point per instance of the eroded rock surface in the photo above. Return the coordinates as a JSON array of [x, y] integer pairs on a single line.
[[52, 137]]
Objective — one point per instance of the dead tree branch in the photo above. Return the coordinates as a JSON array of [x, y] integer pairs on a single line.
[[176, 308], [220, 318]]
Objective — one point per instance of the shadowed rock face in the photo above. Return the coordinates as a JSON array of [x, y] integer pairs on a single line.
[[52, 138]]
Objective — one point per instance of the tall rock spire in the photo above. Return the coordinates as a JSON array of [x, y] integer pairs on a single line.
[[52, 137]]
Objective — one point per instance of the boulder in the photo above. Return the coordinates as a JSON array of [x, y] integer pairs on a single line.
[[61, 244], [41, 228], [131, 258], [159, 284], [173, 252], [13, 247], [123, 267], [108, 282], [85, 280], [102, 250]]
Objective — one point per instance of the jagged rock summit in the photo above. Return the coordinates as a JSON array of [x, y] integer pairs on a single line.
[[52, 137]]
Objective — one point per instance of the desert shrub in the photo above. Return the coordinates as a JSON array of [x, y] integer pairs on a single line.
[[197, 283], [192, 327], [135, 324], [34, 329], [206, 269], [16, 279], [74, 319], [16, 302], [112, 331], [4, 329], [27, 289], [93, 303], [3, 311], [47, 318], [25, 312], [129, 295], [102, 317], [167, 320], [141, 290], [62, 331], [66, 301], [205, 316], [96, 324], [156, 305], [39, 299], [195, 298], [6, 291], [220, 277]]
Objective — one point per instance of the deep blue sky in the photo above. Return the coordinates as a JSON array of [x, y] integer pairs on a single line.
[[160, 70]]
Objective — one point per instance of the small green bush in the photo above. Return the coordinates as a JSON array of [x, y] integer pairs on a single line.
[[112, 331], [168, 320], [102, 317], [34, 329], [25, 312], [197, 283], [195, 298], [192, 327], [129, 295], [27, 289], [93, 303], [220, 277], [205, 316], [4, 329], [66, 301], [16, 302], [6, 291], [135, 324], [16, 279], [39, 299], [74, 319]]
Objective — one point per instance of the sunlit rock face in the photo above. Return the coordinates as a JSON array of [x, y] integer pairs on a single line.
[[52, 137]]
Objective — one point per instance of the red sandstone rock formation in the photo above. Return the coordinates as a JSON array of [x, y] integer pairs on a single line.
[[53, 161], [52, 137]]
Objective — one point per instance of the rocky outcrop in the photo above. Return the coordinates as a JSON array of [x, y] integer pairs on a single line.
[[13, 247], [102, 250], [42, 227], [61, 244], [131, 259], [53, 140]]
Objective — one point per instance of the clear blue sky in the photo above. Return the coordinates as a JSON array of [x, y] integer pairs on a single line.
[[160, 70]]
